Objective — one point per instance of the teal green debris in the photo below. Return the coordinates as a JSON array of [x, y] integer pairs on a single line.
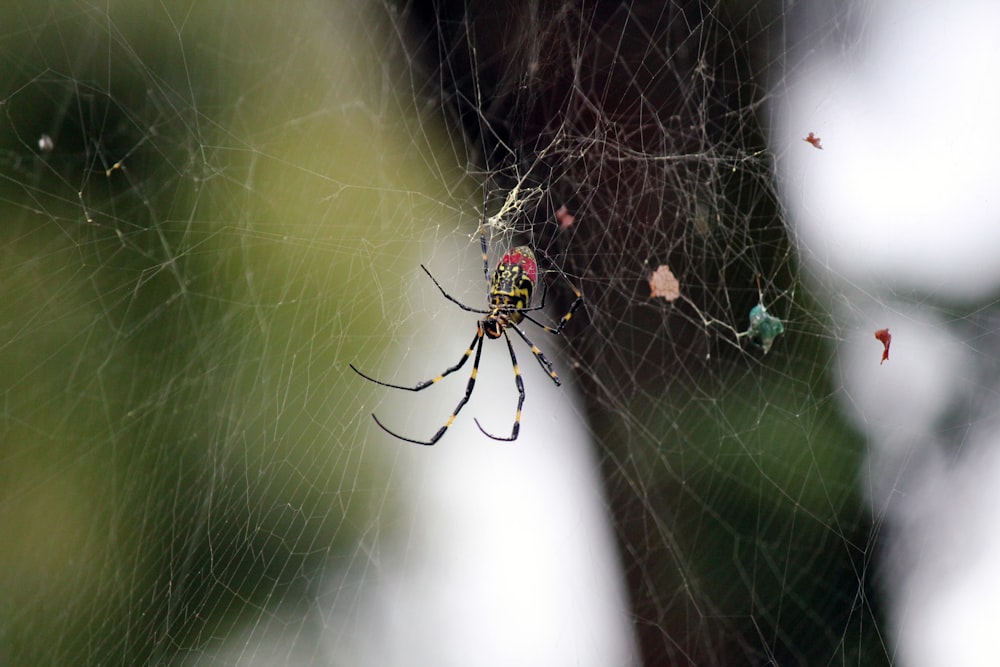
[[764, 328]]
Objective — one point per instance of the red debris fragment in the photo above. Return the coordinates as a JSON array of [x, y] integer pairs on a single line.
[[883, 336], [564, 217], [814, 140]]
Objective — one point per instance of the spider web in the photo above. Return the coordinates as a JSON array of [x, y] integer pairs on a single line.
[[211, 209]]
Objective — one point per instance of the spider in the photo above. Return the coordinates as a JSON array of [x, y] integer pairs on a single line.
[[509, 292]]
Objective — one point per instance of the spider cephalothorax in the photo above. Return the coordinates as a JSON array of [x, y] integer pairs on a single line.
[[510, 292]]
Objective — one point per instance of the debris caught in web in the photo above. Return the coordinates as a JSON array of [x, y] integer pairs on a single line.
[[565, 219], [814, 140], [663, 284], [764, 328], [884, 337]]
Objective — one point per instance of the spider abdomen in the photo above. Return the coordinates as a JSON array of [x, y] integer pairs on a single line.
[[514, 280]]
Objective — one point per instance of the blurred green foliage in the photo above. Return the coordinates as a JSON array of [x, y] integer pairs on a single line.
[[179, 448]]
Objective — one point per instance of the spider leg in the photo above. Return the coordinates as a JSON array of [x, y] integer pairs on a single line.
[[565, 318], [477, 342], [450, 297], [520, 398], [482, 243], [426, 383], [541, 305], [539, 355]]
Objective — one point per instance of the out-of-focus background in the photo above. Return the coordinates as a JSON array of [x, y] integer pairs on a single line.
[[208, 210]]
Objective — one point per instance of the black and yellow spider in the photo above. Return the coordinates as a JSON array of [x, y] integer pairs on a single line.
[[510, 293]]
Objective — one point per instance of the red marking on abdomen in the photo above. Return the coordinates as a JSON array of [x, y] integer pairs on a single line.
[[516, 258]]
